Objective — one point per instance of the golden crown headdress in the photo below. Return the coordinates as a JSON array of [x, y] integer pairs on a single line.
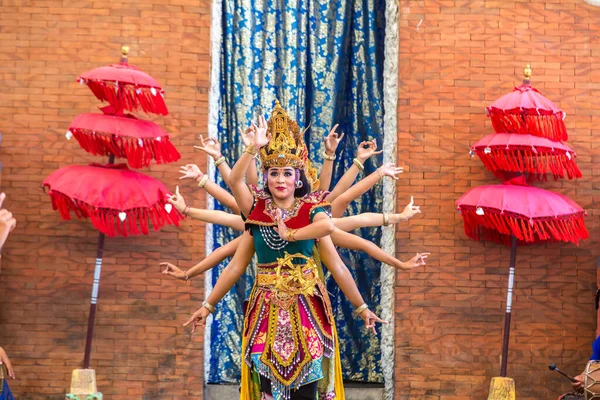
[[286, 147]]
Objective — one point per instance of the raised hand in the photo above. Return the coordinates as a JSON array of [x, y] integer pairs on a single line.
[[177, 200], [332, 140], [190, 171], [173, 270], [370, 319], [366, 150], [409, 211], [261, 134], [417, 261], [390, 170], [248, 135], [198, 318], [210, 146]]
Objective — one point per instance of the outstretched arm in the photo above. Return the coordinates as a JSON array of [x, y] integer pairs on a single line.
[[210, 216], [339, 205], [353, 242], [344, 279], [365, 150], [192, 171], [331, 143], [363, 220], [211, 261], [229, 276]]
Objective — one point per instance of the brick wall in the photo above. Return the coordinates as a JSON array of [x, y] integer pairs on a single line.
[[463, 56], [140, 348]]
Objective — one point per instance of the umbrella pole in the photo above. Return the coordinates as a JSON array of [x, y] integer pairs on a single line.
[[509, 295], [95, 288]]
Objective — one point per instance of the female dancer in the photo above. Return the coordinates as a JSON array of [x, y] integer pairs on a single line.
[[289, 336]]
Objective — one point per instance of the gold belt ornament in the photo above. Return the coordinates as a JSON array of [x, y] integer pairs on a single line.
[[292, 279]]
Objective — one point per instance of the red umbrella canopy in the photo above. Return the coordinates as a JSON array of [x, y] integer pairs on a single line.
[[526, 110], [496, 212], [534, 155], [125, 86], [117, 200], [124, 136]]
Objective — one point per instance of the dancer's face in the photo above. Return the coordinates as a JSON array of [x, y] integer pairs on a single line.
[[282, 182]]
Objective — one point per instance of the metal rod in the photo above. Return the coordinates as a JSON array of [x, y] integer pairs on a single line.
[[509, 296], [95, 289]]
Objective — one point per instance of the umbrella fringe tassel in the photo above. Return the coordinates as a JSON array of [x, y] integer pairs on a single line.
[[138, 156], [537, 165], [550, 126], [108, 222], [499, 227], [128, 97]]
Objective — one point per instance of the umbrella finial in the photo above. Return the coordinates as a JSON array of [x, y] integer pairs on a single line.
[[124, 53], [527, 74]]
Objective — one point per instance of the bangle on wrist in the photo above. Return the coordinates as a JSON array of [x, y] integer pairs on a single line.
[[358, 164], [386, 219], [360, 309], [380, 173], [203, 181], [290, 235], [328, 157], [209, 307], [251, 150], [186, 211], [220, 161], [185, 276]]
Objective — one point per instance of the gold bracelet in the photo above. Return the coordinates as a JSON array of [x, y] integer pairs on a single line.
[[290, 235], [358, 164], [185, 276], [251, 150], [209, 307], [360, 309], [328, 157], [203, 181], [220, 161], [186, 211], [386, 219], [380, 173]]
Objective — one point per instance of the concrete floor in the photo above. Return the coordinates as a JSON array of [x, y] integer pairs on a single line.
[[230, 392]]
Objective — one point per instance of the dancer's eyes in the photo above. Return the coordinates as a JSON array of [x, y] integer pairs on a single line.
[[287, 174], [274, 174]]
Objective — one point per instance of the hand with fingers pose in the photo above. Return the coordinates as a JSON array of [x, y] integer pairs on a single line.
[[173, 270], [418, 260], [248, 135], [409, 211], [7, 221], [281, 228], [371, 319], [177, 200], [198, 319], [332, 141], [390, 170], [210, 146], [261, 133], [366, 150], [190, 171]]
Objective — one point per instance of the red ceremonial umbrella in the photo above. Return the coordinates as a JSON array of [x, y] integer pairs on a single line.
[[125, 86], [125, 136], [519, 214], [526, 110], [534, 155], [514, 212], [117, 200]]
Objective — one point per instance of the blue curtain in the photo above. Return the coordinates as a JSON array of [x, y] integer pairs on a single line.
[[324, 62]]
